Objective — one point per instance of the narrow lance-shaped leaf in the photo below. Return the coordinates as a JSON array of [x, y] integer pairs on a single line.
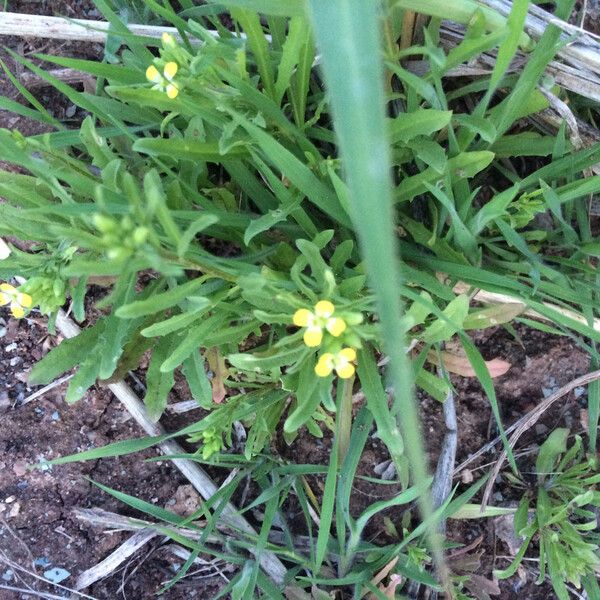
[[357, 99]]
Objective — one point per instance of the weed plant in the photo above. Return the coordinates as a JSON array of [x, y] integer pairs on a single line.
[[284, 213]]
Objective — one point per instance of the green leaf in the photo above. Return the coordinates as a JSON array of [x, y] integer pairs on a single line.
[[177, 322], [463, 166], [308, 397], [194, 372], [65, 356], [377, 403], [159, 302], [111, 450], [550, 450], [358, 107], [442, 330], [420, 122], [159, 384], [186, 149]]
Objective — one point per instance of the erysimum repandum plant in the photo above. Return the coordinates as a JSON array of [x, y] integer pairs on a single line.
[[206, 208]]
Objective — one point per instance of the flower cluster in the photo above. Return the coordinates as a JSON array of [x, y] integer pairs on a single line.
[[322, 320], [121, 238], [19, 301], [212, 442], [317, 320], [165, 81], [49, 291], [172, 57], [340, 362]]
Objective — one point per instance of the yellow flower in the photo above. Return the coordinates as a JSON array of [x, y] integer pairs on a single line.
[[165, 82], [317, 320], [18, 300], [341, 362]]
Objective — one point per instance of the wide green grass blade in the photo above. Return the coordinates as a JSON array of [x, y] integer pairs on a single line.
[[357, 99]]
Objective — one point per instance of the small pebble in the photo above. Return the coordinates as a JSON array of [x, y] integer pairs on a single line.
[[11, 347], [71, 110], [579, 391], [42, 561], [498, 497], [55, 416], [16, 360], [8, 575], [541, 429], [56, 575], [2, 331]]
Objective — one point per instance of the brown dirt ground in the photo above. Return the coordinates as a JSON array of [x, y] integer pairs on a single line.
[[36, 506]]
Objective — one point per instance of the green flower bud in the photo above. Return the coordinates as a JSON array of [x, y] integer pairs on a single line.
[[103, 223]]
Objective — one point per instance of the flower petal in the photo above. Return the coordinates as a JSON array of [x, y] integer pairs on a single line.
[[345, 371], [170, 70], [172, 91], [7, 288], [313, 336], [4, 299], [152, 74], [335, 326], [24, 300], [324, 365], [348, 354], [302, 317], [17, 310], [324, 309]]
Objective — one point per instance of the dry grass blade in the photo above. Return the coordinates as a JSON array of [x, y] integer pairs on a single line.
[[197, 476], [528, 421], [60, 28], [114, 559]]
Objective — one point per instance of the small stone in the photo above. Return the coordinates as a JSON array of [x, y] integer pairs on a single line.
[[579, 391], [42, 561], [2, 331], [71, 110], [11, 347], [20, 468], [14, 511], [10, 499], [55, 416], [466, 476], [56, 575], [15, 360], [498, 497], [541, 429], [8, 575]]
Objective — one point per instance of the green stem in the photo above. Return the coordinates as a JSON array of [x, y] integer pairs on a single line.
[[344, 417]]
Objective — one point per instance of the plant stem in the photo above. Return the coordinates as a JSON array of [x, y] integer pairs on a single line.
[[344, 417]]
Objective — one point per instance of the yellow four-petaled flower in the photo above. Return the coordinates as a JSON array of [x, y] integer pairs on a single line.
[[340, 362], [317, 320], [165, 82], [18, 301]]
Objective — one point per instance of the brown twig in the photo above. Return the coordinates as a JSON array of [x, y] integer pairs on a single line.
[[528, 421]]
